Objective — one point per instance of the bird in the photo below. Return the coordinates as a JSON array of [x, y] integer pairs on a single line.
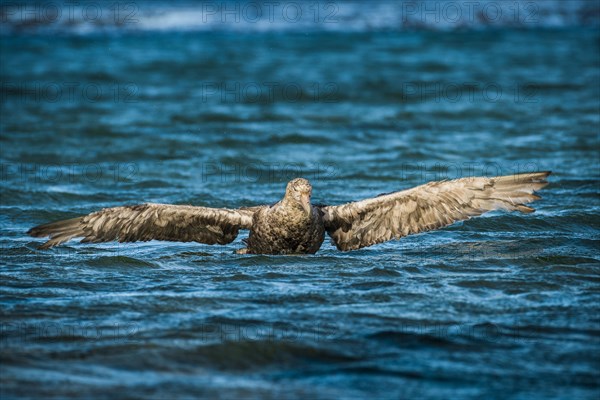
[[296, 226]]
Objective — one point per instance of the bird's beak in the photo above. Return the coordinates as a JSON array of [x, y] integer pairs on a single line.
[[305, 201]]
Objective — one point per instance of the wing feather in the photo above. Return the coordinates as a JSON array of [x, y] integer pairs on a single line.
[[150, 221], [427, 207]]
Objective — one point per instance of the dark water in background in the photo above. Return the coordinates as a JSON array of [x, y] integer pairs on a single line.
[[168, 110]]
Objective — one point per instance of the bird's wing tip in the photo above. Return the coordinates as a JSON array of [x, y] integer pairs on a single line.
[[538, 174]]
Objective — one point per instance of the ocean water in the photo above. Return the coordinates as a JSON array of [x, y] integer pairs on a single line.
[[182, 103]]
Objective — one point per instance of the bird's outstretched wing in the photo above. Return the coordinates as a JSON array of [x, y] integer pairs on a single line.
[[150, 221], [426, 207]]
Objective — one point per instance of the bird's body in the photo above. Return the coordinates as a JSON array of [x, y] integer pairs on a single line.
[[291, 226], [285, 230], [295, 226]]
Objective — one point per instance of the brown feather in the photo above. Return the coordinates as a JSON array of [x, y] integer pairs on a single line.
[[150, 221], [426, 207]]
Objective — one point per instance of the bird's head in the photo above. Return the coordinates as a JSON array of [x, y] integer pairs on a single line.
[[299, 191]]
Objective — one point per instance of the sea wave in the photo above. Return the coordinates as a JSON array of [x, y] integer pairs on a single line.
[[88, 17]]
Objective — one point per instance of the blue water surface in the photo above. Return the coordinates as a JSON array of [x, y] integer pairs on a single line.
[[501, 306]]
